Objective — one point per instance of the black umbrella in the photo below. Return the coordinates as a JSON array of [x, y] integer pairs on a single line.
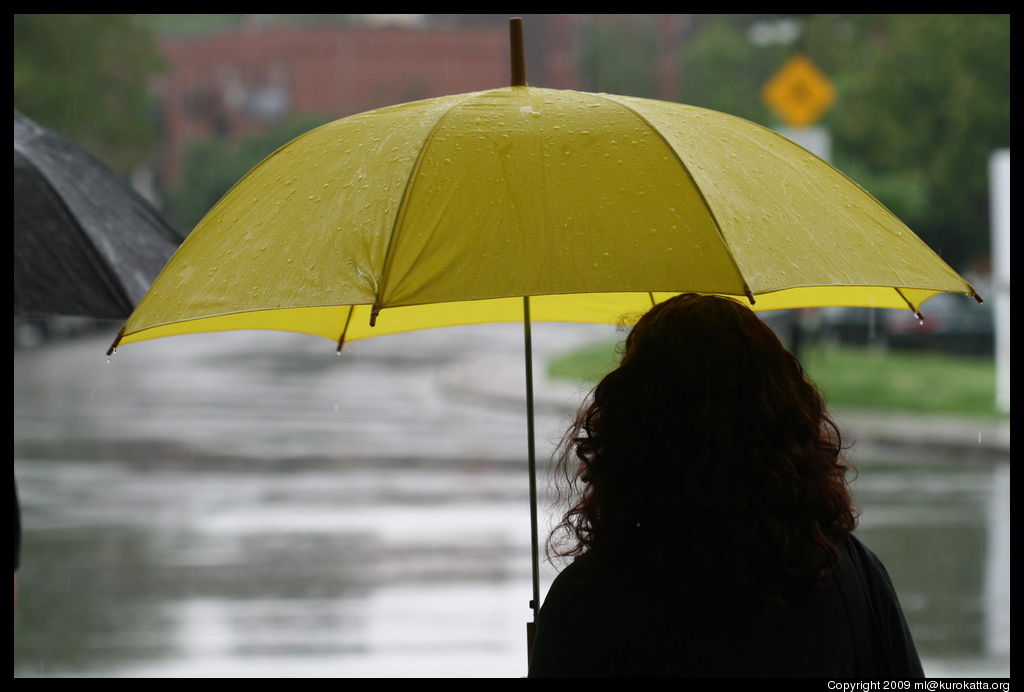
[[85, 243]]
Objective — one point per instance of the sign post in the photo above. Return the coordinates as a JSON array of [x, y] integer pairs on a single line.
[[800, 94]]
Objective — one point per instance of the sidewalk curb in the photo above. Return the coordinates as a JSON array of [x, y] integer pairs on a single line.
[[915, 437], [874, 434]]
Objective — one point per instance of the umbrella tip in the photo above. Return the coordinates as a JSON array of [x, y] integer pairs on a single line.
[[117, 340], [341, 343], [977, 296], [518, 52], [374, 311]]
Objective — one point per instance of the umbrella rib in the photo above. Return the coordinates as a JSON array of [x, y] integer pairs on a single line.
[[400, 214], [700, 193], [916, 311], [344, 328]]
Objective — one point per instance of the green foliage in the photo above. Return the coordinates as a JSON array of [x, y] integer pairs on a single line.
[[923, 99], [587, 364], [930, 105], [617, 55], [724, 70], [852, 377], [903, 380], [212, 166], [86, 76]]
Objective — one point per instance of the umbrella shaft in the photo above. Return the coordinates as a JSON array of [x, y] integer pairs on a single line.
[[532, 456]]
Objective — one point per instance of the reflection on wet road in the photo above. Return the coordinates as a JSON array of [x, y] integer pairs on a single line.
[[250, 504]]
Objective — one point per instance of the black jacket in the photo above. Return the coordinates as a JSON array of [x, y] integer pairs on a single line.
[[602, 619]]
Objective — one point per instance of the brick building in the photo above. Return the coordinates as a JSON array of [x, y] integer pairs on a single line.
[[235, 83]]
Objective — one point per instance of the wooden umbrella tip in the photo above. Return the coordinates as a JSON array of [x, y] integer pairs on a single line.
[[518, 52], [117, 340]]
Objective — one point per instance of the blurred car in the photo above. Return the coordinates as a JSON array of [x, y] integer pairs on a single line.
[[952, 324], [857, 326]]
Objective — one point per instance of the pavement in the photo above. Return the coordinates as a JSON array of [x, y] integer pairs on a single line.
[[415, 378], [876, 435]]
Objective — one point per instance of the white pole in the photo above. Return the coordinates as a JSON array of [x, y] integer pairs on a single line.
[[997, 573], [816, 139], [999, 200]]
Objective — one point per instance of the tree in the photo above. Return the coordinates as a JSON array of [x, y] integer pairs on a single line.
[[930, 102], [922, 99], [87, 77], [617, 53]]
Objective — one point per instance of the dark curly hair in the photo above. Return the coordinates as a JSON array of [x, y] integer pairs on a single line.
[[708, 461]]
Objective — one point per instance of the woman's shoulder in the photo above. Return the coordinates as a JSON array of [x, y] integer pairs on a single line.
[[593, 571], [585, 621], [591, 581], [874, 571], [578, 579], [891, 624]]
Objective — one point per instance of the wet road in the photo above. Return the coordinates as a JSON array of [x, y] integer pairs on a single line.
[[253, 504], [250, 504]]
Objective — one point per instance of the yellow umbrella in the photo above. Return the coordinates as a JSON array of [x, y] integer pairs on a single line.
[[586, 202], [528, 202]]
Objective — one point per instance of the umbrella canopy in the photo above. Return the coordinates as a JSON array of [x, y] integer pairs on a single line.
[[85, 243], [588, 202]]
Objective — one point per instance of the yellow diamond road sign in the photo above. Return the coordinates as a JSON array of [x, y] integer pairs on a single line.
[[799, 93]]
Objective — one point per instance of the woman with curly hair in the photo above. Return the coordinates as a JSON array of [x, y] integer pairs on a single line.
[[710, 518]]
